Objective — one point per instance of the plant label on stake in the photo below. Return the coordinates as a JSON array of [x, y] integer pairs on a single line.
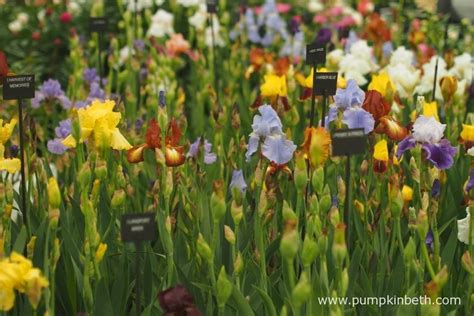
[[325, 84], [315, 54], [99, 26], [211, 6], [19, 88], [138, 228], [348, 142]]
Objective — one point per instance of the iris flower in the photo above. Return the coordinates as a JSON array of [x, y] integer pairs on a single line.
[[274, 89], [463, 228], [10, 165], [380, 156], [268, 127], [173, 152], [316, 146], [98, 124], [50, 90], [209, 156], [429, 133], [56, 145], [238, 181], [467, 136]]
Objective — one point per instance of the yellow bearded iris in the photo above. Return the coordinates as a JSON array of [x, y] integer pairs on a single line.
[[274, 86], [316, 145], [381, 150], [99, 122], [6, 130], [383, 84], [18, 273], [431, 109], [467, 133]]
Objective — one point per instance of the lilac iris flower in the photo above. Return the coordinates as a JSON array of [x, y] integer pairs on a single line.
[[90, 75], [351, 40], [387, 49], [64, 129], [238, 181], [209, 156], [267, 126], [357, 117], [278, 149], [428, 132], [350, 96], [50, 90], [470, 183], [56, 146]]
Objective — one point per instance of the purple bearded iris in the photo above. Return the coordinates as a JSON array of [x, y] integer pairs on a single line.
[[50, 90], [323, 37], [268, 127], [428, 132]]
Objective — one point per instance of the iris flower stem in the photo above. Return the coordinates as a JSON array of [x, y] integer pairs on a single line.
[[424, 251]]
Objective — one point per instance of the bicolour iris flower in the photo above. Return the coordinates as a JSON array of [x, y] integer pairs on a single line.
[[381, 156], [275, 90], [316, 146], [267, 127], [173, 152], [467, 136], [429, 134], [98, 123], [10, 165], [50, 90]]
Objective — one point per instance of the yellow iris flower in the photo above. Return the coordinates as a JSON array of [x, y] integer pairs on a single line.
[[99, 123], [467, 133], [431, 109], [274, 86], [381, 150], [10, 165], [18, 273], [383, 84]]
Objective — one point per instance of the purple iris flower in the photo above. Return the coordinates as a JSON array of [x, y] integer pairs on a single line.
[[357, 117], [294, 25], [429, 240], [332, 115], [470, 183], [324, 36], [14, 151], [90, 75], [238, 181], [56, 146], [406, 144], [50, 90], [96, 92], [441, 154], [436, 189], [350, 96], [64, 129]]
